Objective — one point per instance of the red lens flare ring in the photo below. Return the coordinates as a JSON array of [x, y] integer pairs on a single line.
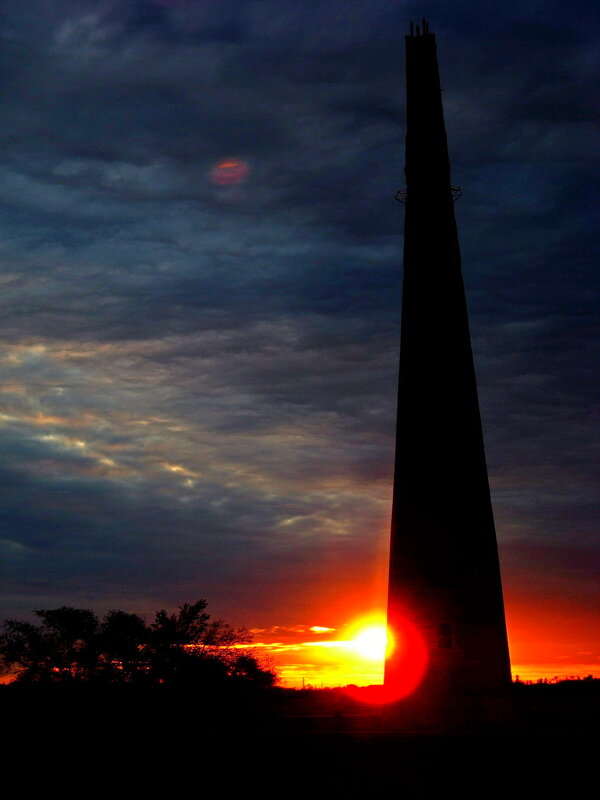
[[229, 171], [410, 654]]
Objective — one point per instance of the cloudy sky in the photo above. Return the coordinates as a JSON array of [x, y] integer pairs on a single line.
[[198, 376]]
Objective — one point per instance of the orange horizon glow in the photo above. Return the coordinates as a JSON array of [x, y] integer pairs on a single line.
[[344, 657], [356, 660], [352, 655]]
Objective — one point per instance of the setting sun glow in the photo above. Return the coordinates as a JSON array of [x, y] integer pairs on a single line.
[[371, 642], [351, 656]]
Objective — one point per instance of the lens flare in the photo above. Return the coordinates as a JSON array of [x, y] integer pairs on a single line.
[[371, 642], [406, 646], [229, 171]]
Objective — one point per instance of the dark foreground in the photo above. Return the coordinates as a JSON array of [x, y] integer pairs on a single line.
[[289, 744]]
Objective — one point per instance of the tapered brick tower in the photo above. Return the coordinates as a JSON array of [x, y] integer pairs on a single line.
[[444, 579]]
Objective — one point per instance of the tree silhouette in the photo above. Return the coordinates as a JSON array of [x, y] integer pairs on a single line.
[[70, 636], [185, 648], [61, 648], [121, 644], [188, 646]]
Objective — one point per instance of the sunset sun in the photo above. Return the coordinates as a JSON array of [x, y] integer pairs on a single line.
[[371, 642]]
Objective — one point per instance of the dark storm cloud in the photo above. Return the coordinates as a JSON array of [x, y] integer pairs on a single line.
[[198, 381]]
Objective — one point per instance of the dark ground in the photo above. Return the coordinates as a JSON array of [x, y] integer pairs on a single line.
[[156, 742]]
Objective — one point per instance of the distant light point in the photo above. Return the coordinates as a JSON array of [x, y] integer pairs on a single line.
[[229, 172]]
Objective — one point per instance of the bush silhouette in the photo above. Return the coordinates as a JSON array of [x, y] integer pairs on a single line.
[[186, 648]]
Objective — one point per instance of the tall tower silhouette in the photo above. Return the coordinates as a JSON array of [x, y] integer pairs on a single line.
[[444, 580]]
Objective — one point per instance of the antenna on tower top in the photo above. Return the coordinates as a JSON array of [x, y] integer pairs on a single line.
[[421, 29]]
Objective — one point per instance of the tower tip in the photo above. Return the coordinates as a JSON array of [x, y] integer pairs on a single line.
[[422, 29]]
